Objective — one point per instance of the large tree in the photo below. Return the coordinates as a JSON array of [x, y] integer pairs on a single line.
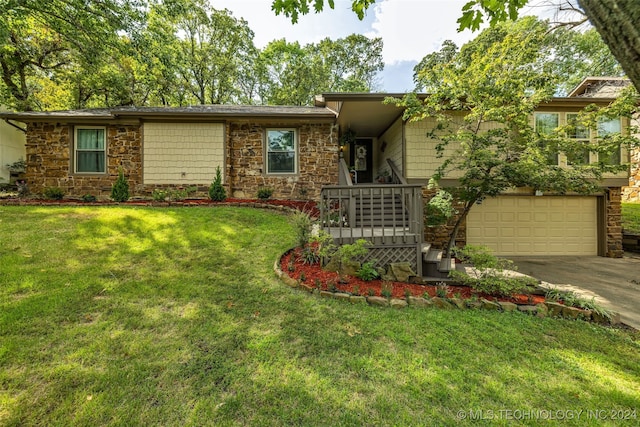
[[483, 105], [615, 20], [40, 37]]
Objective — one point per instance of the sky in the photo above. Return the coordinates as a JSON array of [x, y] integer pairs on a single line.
[[409, 29]]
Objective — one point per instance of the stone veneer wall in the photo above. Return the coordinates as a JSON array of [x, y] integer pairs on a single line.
[[317, 156], [613, 208], [632, 192], [49, 150]]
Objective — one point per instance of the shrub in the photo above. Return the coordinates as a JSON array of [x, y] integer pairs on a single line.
[[54, 193], [387, 289], [265, 193], [217, 193], [368, 272], [159, 195], [120, 189], [89, 198], [488, 274], [571, 299], [439, 209]]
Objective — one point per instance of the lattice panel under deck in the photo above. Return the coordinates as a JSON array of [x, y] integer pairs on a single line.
[[388, 255]]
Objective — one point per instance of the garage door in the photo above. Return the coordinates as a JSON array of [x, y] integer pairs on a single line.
[[521, 225]]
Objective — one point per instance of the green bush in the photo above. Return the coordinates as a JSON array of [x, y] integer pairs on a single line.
[[488, 275], [89, 198], [120, 189], [159, 195], [439, 209], [54, 193], [368, 272], [217, 193], [265, 193]]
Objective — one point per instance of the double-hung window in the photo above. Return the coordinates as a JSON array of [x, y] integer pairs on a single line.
[[580, 133], [546, 124], [606, 128], [90, 149], [281, 148]]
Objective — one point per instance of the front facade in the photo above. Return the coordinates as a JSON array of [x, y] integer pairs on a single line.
[[299, 152]]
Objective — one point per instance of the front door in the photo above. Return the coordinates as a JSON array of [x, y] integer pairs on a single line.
[[362, 155]]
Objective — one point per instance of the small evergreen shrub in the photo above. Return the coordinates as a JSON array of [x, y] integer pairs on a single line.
[[89, 198], [54, 193], [120, 189], [217, 193], [265, 193], [159, 195]]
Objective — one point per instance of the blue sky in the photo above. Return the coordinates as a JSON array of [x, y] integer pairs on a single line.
[[410, 29]]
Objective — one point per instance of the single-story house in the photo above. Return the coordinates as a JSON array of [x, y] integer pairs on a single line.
[[356, 156]]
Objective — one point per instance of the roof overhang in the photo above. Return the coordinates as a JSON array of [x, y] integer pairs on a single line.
[[363, 113]]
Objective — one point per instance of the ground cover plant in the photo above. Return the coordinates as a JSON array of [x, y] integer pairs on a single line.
[[125, 315], [631, 217]]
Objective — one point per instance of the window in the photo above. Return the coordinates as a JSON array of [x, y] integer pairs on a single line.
[[606, 128], [580, 133], [546, 124], [90, 150], [281, 151]]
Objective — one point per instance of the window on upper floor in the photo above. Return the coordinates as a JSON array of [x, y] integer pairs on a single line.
[[90, 149], [281, 149], [580, 133], [546, 124], [607, 127]]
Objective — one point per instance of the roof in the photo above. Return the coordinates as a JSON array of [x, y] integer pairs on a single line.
[[583, 87], [197, 111]]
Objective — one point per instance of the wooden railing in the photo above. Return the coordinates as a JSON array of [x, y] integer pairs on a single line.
[[385, 213], [396, 175], [344, 177]]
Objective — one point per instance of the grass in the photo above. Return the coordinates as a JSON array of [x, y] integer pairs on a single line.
[[158, 316], [631, 217]]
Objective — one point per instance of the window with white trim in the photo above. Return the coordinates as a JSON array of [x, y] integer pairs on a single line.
[[546, 124], [90, 149], [281, 149], [580, 133], [606, 128]]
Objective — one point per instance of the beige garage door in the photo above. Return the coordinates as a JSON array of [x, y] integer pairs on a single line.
[[522, 225]]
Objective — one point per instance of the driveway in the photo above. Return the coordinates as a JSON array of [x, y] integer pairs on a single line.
[[614, 282]]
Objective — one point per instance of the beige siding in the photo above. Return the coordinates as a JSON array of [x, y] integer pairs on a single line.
[[393, 149], [12, 148], [182, 153], [521, 225]]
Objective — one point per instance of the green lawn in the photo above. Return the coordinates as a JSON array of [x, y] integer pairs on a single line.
[[160, 316], [631, 217]]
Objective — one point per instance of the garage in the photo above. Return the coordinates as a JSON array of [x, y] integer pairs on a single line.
[[529, 225]]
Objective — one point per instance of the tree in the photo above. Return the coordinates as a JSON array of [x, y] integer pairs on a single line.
[[483, 107], [292, 74], [615, 20], [38, 38], [567, 55]]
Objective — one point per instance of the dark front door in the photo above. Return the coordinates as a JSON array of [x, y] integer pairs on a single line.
[[362, 160]]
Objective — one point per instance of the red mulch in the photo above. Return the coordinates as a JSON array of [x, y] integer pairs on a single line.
[[316, 277]]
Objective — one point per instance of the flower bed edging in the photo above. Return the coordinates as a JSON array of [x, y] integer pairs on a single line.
[[545, 309]]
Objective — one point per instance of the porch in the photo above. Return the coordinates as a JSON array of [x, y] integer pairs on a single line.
[[389, 216]]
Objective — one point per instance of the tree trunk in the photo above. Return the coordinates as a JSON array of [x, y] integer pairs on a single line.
[[618, 22]]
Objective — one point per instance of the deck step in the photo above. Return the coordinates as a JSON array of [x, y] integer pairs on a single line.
[[433, 255]]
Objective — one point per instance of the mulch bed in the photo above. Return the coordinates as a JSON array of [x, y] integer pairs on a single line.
[[313, 274]]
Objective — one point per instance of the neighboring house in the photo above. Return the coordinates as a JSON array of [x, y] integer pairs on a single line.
[[317, 153], [12, 148]]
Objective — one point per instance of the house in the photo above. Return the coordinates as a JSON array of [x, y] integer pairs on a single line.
[[367, 168], [12, 149]]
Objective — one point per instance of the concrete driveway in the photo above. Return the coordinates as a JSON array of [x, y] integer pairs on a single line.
[[614, 282]]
